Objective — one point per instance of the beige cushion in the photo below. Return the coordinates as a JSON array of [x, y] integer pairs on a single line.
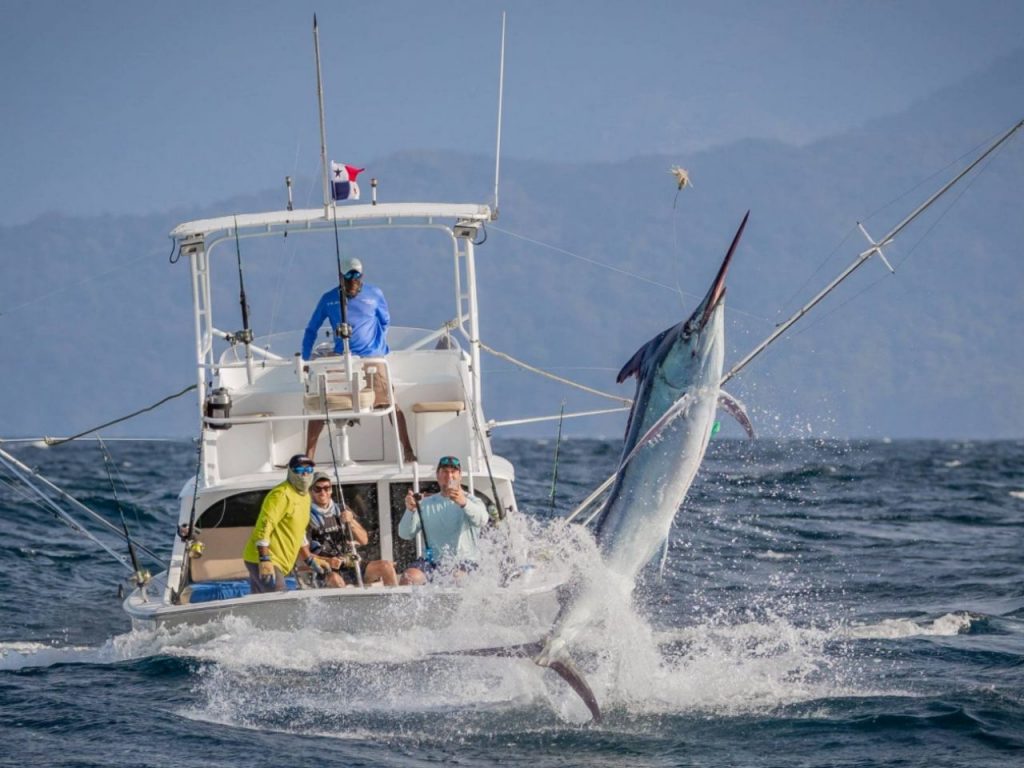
[[339, 402], [222, 555]]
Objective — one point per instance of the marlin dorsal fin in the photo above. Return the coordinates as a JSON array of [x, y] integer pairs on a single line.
[[636, 363], [735, 408]]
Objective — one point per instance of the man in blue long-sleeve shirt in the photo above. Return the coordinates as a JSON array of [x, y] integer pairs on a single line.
[[368, 318], [366, 312]]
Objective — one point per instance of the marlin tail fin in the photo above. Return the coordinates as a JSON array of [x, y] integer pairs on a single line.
[[538, 653]]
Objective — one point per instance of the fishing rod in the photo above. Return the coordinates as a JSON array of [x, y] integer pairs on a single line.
[[356, 559], [343, 329], [245, 335], [193, 547], [875, 249], [422, 548], [485, 451], [23, 473], [140, 576], [558, 442]]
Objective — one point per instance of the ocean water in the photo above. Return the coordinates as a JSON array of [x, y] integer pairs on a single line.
[[820, 604]]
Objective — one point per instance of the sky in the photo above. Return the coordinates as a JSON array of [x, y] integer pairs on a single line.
[[143, 107]]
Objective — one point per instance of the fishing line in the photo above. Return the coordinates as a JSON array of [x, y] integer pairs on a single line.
[[117, 470], [75, 284], [969, 153], [60, 441], [828, 258], [641, 278], [142, 577], [675, 247], [924, 235], [586, 259]]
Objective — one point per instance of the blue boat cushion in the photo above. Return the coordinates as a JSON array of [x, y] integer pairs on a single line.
[[209, 591]]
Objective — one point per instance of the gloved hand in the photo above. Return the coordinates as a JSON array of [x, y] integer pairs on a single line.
[[318, 565], [268, 574]]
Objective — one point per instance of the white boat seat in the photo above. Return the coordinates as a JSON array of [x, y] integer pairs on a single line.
[[222, 555], [440, 406]]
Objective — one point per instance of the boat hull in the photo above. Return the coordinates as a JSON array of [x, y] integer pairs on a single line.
[[528, 608]]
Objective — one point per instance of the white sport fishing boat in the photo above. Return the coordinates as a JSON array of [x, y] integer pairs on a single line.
[[257, 396], [256, 399]]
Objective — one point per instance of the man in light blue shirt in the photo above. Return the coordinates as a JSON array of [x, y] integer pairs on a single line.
[[450, 521]]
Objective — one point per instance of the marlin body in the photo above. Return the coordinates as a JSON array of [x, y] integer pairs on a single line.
[[678, 374], [677, 397]]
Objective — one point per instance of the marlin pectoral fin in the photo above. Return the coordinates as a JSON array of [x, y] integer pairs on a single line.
[[636, 363], [731, 405], [678, 408]]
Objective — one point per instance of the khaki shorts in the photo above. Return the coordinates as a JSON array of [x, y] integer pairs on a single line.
[[382, 396], [381, 382]]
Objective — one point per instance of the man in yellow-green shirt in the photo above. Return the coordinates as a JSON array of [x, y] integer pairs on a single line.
[[280, 529]]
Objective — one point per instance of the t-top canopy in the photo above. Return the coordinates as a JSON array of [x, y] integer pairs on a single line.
[[349, 215]]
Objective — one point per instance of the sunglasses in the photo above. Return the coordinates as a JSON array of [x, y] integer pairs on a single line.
[[450, 461], [322, 488], [353, 275], [303, 469]]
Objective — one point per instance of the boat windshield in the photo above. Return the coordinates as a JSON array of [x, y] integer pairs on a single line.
[[284, 345]]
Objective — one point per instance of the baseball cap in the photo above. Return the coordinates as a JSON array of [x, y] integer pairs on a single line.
[[351, 265]]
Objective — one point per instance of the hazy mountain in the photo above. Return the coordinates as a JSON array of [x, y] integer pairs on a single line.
[[96, 323]]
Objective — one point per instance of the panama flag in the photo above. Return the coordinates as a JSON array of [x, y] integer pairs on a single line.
[[343, 181]]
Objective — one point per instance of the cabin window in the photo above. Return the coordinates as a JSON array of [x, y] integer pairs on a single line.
[[242, 509]]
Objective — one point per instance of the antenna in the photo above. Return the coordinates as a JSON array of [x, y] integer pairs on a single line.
[[501, 96], [323, 128]]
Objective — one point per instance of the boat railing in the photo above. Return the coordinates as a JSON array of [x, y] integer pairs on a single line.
[[420, 387]]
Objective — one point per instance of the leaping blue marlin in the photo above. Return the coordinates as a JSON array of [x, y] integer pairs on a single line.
[[677, 394]]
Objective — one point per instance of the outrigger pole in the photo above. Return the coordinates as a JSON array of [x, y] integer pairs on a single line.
[[875, 249], [23, 473], [323, 127], [501, 98]]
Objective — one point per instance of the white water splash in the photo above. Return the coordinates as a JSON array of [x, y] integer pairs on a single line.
[[346, 685], [950, 624]]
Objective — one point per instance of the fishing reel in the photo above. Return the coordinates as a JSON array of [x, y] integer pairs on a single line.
[[349, 561], [243, 336], [139, 579]]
